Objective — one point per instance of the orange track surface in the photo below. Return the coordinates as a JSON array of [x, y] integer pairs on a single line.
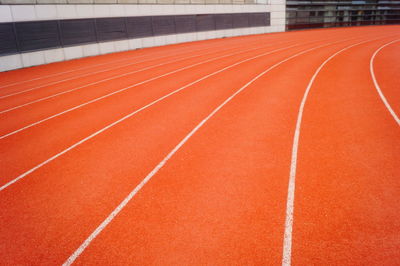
[[221, 198]]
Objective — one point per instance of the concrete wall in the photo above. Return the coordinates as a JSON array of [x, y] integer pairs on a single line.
[[39, 2], [16, 13]]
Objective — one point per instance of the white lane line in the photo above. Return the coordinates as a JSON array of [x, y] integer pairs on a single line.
[[124, 89], [65, 72], [106, 70], [130, 115], [115, 212], [287, 242], [118, 76], [101, 64], [186, 50], [378, 88], [72, 70]]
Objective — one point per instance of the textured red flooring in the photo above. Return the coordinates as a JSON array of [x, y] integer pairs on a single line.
[[221, 198]]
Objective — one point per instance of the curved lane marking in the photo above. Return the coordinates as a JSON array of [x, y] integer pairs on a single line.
[[111, 78], [378, 88], [130, 115], [96, 65], [287, 241], [117, 67], [126, 88], [118, 209]]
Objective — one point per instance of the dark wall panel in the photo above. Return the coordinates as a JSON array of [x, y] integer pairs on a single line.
[[163, 25], [36, 35], [186, 23], [77, 31], [259, 19], [223, 21], [268, 20], [240, 20], [8, 44], [139, 27], [205, 22], [111, 29]]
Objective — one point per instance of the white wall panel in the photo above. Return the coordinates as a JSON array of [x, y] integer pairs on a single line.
[[102, 11], [162, 10], [278, 28], [85, 11], [278, 8], [135, 44], [228, 33], [66, 11], [179, 9], [33, 59], [278, 14], [238, 8], [170, 39], [145, 10], [23, 12], [117, 10], [208, 9], [53, 55], [277, 21], [106, 47], [237, 32], [148, 42], [190, 9], [131, 10], [277, 2], [223, 9], [211, 35], [46, 12], [73, 52], [5, 13], [10, 62], [267, 29], [91, 49], [201, 36], [70, 11], [159, 40], [192, 36], [122, 45], [220, 34]]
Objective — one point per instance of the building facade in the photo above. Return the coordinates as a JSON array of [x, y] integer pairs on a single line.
[[330, 13]]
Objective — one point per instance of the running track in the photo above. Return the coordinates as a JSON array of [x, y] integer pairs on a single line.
[[259, 150]]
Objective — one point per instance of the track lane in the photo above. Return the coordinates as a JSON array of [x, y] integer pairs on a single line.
[[47, 237], [219, 202], [77, 182], [108, 83], [114, 68], [23, 116], [151, 54], [347, 185], [287, 242], [85, 81], [169, 51], [93, 74], [386, 66], [59, 69], [58, 136]]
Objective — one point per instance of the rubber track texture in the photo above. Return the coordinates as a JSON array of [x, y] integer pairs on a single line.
[[221, 198]]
